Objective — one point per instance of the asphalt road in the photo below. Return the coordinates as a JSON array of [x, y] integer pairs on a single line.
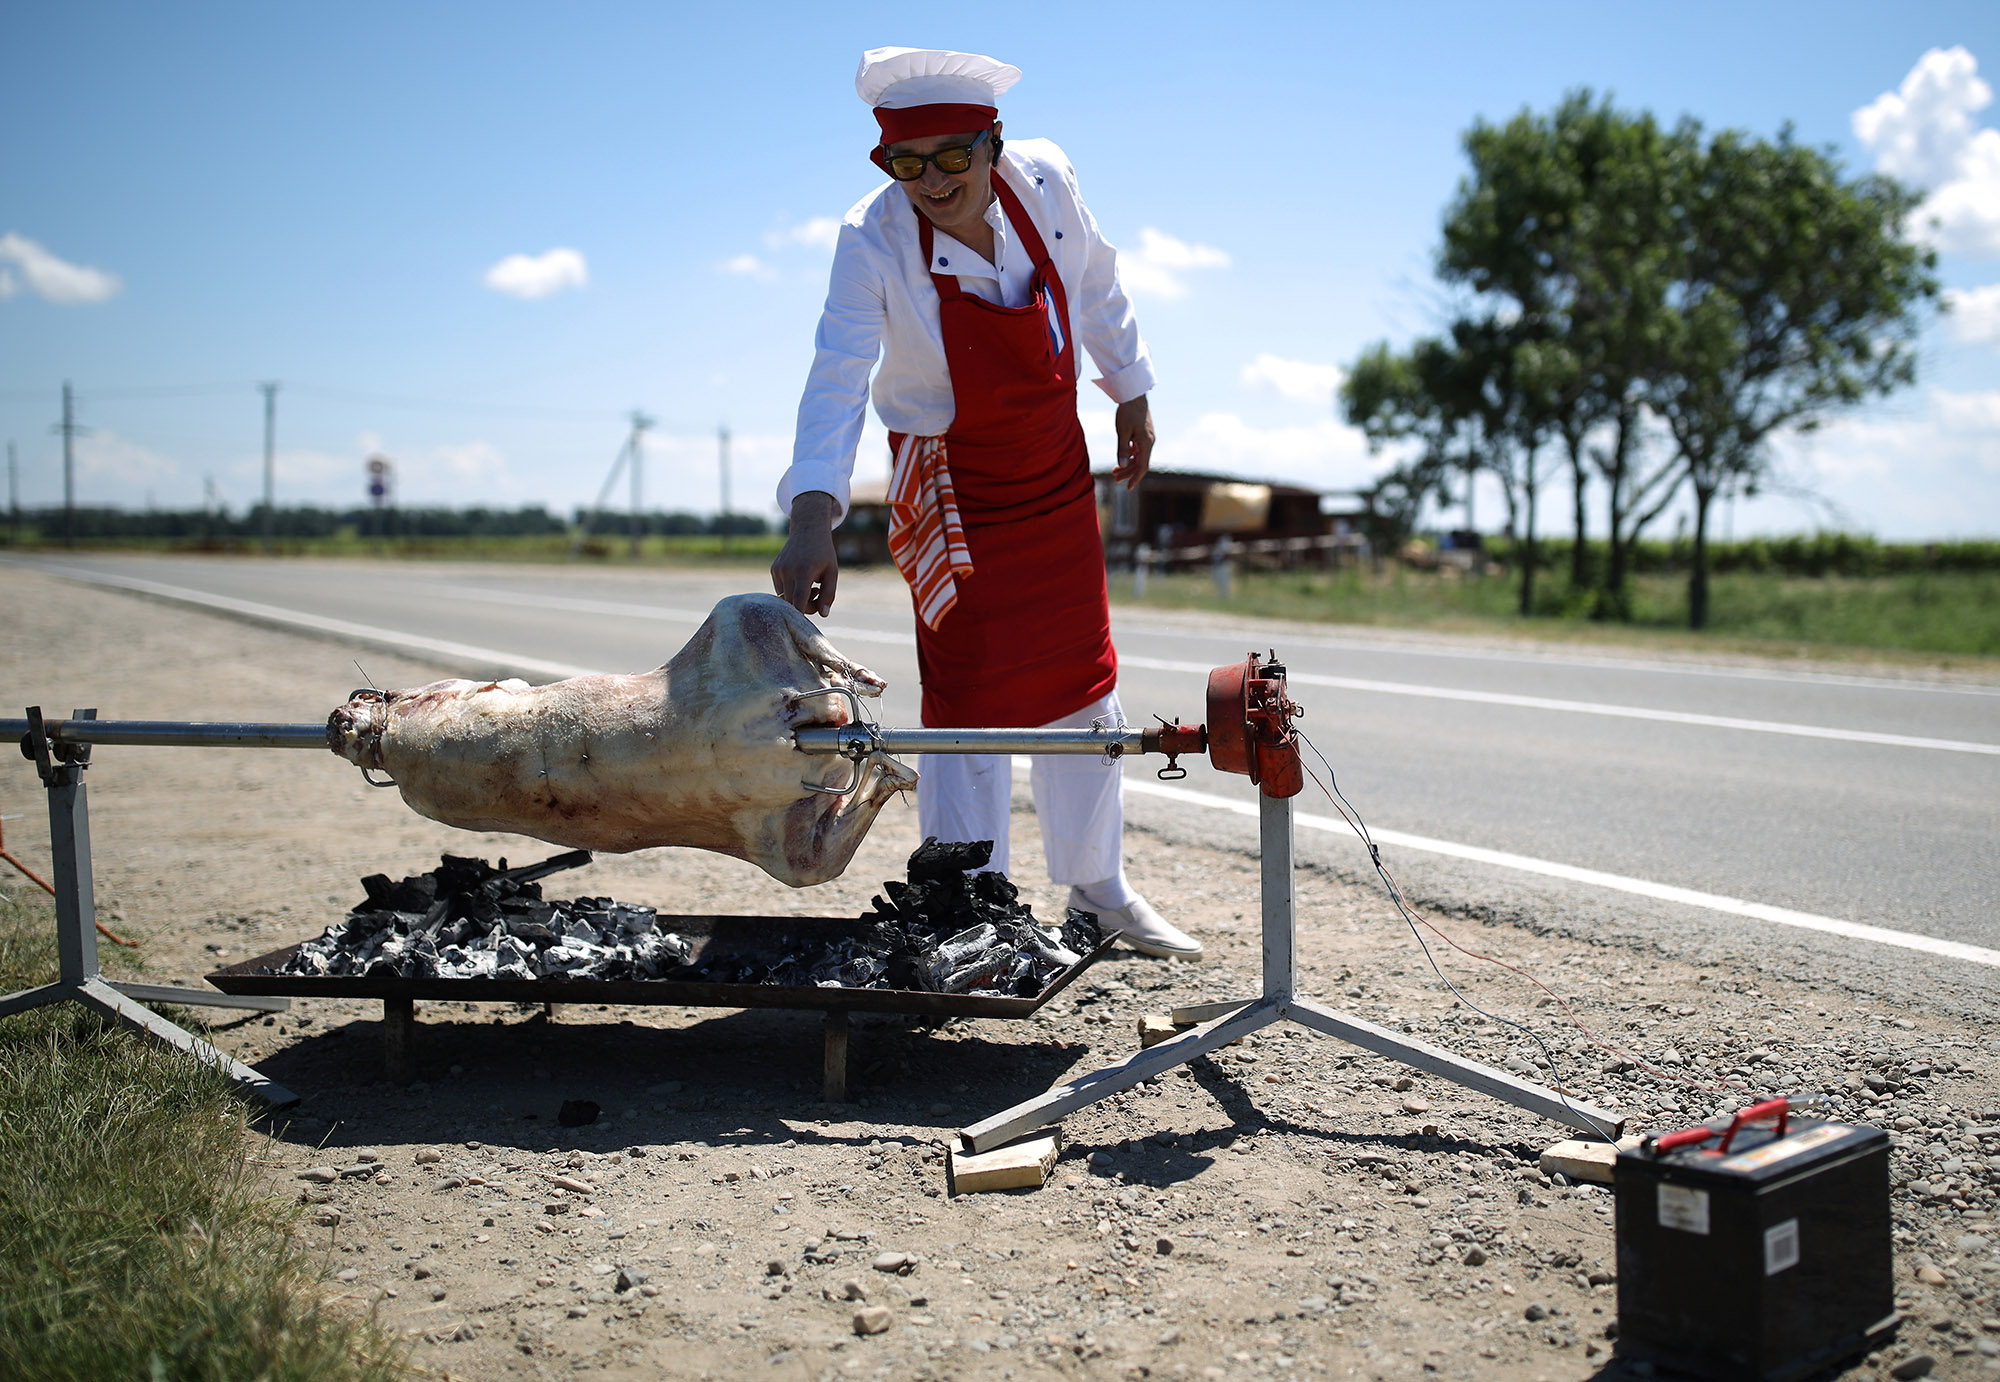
[[1872, 800]]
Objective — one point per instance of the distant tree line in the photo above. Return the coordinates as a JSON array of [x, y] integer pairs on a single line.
[[104, 523], [608, 523], [1818, 555], [1641, 310]]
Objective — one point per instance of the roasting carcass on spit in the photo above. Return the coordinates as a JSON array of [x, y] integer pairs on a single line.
[[698, 752]]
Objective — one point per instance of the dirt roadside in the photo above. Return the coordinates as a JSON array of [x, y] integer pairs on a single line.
[[1288, 1208]]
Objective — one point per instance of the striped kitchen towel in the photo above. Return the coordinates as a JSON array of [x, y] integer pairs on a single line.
[[925, 536]]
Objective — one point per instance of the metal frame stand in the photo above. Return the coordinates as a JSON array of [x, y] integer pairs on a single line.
[[1224, 1022], [81, 980]]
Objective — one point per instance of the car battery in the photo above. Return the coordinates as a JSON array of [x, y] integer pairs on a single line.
[[1755, 1247]]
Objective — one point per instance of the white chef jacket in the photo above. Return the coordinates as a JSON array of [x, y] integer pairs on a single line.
[[882, 295]]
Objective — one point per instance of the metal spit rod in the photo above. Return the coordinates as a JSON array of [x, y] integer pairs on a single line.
[[848, 741], [857, 741], [197, 734]]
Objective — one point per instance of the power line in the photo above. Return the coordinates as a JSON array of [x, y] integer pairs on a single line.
[[270, 388], [722, 463], [70, 431], [640, 422], [331, 393], [439, 405]]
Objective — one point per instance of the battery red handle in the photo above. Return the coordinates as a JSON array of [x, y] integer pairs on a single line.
[[1686, 1137], [1779, 1108]]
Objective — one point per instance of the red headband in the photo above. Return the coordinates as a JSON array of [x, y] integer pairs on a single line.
[[923, 122]]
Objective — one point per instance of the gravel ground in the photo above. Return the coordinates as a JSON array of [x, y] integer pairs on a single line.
[[1289, 1207]]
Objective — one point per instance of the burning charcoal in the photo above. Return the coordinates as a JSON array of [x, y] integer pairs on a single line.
[[1047, 951], [941, 929], [968, 944], [414, 894], [935, 860], [1080, 931]]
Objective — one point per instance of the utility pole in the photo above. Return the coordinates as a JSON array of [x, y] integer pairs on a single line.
[[69, 429], [640, 422], [13, 497], [722, 459], [270, 388]]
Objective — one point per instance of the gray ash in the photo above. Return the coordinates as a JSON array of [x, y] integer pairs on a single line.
[[943, 929], [468, 920]]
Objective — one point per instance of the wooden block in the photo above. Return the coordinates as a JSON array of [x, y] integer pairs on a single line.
[[1019, 1165], [1580, 1160], [1155, 1028]]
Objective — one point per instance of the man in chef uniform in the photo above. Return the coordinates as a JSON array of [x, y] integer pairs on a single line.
[[975, 274]]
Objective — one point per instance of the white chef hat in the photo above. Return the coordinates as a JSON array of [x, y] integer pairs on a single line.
[[918, 92]]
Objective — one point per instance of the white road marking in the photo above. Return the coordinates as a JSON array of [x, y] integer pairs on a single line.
[[1535, 657], [1640, 887], [1758, 911], [339, 628], [845, 633], [1621, 712]]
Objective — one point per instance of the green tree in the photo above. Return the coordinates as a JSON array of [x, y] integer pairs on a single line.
[[1797, 295], [1385, 395], [1566, 222]]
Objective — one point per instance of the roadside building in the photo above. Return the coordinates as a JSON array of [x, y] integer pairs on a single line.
[[1177, 517]]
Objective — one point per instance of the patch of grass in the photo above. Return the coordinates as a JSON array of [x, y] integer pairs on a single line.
[[1946, 616], [133, 1240]]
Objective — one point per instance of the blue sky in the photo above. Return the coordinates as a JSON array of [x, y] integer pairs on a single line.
[[193, 199]]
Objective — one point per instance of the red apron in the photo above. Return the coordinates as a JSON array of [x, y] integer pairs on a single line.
[[1029, 640]]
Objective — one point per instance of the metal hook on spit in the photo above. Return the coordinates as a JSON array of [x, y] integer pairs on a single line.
[[1116, 723], [379, 694], [853, 752]]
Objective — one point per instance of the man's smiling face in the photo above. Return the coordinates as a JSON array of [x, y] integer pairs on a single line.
[[952, 201]]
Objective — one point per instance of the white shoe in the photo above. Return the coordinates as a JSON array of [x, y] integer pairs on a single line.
[[1140, 927]]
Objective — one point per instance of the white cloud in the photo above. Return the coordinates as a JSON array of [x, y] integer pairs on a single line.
[[7, 286], [1157, 266], [1964, 214], [107, 459], [819, 233], [1300, 380], [1924, 133], [1920, 469], [1975, 415], [748, 266], [1919, 130], [55, 279], [683, 470], [538, 275], [1975, 314], [471, 463]]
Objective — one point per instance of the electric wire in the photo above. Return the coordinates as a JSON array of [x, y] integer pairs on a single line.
[[1413, 918]]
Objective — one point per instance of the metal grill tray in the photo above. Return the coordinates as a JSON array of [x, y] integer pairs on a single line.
[[760, 938]]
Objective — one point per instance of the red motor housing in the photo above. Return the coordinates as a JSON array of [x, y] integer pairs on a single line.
[[1250, 725]]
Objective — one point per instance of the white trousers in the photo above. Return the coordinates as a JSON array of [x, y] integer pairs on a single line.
[[965, 797]]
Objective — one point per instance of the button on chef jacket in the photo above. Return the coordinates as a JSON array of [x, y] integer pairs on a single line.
[[882, 294]]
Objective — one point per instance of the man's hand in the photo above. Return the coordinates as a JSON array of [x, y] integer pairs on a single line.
[[807, 569], [1134, 422]]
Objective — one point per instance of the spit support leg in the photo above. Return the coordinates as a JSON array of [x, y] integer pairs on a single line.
[[1228, 1020], [833, 1080], [79, 979], [399, 1039]]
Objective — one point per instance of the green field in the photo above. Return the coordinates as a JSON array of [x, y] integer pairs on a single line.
[[1948, 617], [134, 1241]]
